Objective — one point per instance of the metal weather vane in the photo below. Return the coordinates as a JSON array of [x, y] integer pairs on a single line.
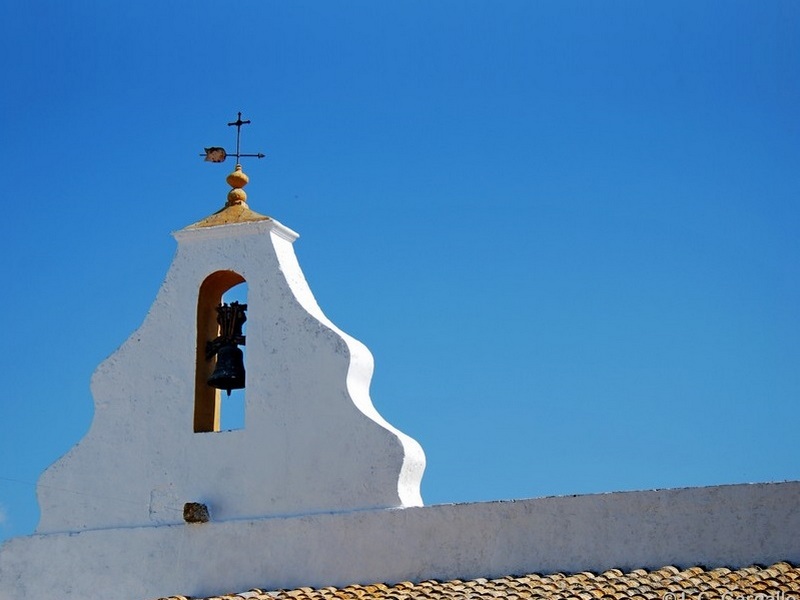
[[217, 154]]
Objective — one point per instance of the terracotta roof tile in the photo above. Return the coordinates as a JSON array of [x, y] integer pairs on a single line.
[[666, 583]]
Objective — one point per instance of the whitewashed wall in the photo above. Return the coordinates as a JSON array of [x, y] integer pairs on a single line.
[[730, 526], [312, 439], [317, 489]]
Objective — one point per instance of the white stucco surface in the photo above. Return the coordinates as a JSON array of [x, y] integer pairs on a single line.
[[312, 439], [317, 489], [730, 526]]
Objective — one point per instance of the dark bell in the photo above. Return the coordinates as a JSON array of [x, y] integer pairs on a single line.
[[229, 372]]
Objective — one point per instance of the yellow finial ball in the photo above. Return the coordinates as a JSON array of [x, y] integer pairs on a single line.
[[236, 196], [237, 179]]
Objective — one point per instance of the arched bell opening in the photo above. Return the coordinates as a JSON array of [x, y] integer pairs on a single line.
[[220, 312]]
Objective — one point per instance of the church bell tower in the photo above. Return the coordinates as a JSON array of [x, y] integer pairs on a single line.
[[312, 440]]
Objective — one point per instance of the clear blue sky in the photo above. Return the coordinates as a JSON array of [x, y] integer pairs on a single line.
[[568, 231]]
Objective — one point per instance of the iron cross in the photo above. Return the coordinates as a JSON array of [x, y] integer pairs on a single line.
[[217, 154]]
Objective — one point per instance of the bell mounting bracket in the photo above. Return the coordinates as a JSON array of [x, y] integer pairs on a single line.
[[231, 318]]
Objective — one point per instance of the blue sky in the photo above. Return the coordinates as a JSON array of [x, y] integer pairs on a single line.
[[568, 231]]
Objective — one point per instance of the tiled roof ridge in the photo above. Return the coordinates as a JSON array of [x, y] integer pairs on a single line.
[[779, 581]]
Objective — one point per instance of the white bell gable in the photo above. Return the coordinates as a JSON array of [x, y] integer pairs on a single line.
[[312, 440]]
